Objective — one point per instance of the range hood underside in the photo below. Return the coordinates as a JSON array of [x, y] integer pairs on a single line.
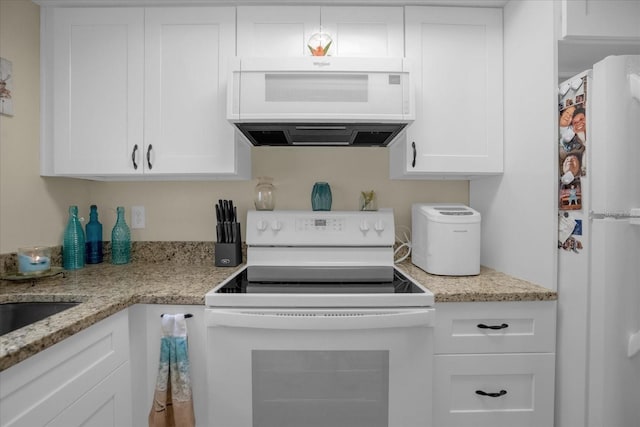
[[321, 134]]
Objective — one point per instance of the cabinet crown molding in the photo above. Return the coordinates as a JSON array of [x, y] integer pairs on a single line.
[[139, 3]]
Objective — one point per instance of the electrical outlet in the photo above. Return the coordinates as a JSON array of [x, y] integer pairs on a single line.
[[137, 217]]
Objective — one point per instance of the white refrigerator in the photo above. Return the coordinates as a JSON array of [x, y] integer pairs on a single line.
[[598, 351]]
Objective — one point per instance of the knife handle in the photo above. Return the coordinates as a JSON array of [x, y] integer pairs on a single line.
[[219, 233], [236, 232], [231, 210], [225, 210]]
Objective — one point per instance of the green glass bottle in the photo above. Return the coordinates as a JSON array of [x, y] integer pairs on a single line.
[[73, 250], [120, 240]]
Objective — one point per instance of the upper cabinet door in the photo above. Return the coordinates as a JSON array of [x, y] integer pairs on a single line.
[[286, 31], [93, 90], [276, 30], [186, 70], [457, 55], [365, 31], [132, 93], [601, 19]]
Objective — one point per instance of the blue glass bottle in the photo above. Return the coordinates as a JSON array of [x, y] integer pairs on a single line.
[[73, 242], [120, 240], [321, 196], [94, 237]]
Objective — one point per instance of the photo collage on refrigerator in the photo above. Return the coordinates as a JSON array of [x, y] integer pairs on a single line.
[[572, 157]]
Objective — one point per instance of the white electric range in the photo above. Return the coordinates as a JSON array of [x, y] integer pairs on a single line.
[[320, 328]]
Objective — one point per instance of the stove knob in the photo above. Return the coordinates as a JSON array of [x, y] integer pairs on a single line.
[[261, 225], [364, 226], [379, 226], [276, 225]]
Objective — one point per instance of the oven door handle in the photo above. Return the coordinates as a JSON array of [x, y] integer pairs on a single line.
[[320, 319]]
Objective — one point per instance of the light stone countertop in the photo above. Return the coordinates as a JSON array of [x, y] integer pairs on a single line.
[[490, 285], [105, 289]]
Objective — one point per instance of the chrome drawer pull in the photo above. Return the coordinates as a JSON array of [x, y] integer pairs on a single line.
[[483, 326], [498, 394]]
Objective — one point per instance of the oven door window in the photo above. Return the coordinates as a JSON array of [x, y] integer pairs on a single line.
[[293, 388]]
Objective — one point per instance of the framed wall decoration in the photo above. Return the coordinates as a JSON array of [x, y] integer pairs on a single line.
[[6, 87]]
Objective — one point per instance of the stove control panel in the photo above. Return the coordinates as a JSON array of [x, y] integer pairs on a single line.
[[320, 224], [320, 228]]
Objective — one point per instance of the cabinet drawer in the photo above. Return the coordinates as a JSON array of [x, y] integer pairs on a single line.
[[495, 327], [521, 384]]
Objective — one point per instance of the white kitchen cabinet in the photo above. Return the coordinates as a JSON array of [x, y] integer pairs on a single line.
[[365, 31], [457, 58], [133, 93], [601, 19], [82, 380], [107, 404], [145, 329], [92, 90], [494, 364], [526, 380], [187, 53], [355, 31]]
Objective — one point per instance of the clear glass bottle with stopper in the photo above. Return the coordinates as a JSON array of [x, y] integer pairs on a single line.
[[120, 240], [265, 194]]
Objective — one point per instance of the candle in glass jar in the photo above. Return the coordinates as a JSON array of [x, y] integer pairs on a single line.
[[34, 260]]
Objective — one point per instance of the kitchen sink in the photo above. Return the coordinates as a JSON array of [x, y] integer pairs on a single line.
[[16, 315]]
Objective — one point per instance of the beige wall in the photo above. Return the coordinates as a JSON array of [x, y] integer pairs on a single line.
[[33, 210]]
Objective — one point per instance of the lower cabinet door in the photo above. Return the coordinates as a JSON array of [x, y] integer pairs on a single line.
[[496, 390], [90, 367], [108, 404]]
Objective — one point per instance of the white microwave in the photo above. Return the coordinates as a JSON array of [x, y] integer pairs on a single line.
[[320, 100]]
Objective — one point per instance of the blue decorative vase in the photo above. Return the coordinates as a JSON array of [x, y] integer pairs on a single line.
[[94, 237], [321, 196]]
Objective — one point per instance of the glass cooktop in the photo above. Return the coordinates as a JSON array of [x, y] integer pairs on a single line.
[[241, 285]]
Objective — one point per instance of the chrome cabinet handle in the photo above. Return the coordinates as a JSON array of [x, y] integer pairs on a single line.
[[149, 156], [483, 326], [413, 162], [133, 157], [498, 394]]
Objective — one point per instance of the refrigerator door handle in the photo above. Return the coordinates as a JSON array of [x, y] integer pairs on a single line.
[[633, 215], [634, 85], [634, 344]]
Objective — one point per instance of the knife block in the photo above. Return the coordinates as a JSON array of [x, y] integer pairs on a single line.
[[228, 254]]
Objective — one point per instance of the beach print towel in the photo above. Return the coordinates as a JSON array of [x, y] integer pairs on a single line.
[[172, 403]]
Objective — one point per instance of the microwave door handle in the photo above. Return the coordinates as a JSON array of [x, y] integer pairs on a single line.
[[319, 320], [320, 127]]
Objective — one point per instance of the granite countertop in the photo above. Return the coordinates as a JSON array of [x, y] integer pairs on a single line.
[[105, 289], [490, 285]]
